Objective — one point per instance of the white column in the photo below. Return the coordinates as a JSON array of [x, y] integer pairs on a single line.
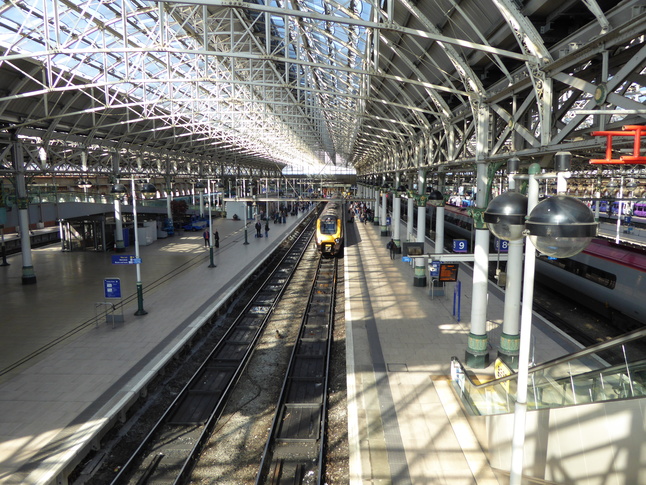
[[477, 353], [420, 266], [439, 229], [410, 208], [28, 274], [376, 211], [384, 212], [520, 409], [396, 222], [118, 231]]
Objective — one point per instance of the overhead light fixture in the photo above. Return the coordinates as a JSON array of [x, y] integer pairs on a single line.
[[84, 184]]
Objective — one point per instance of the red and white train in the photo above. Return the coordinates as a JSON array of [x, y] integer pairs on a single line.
[[611, 277]]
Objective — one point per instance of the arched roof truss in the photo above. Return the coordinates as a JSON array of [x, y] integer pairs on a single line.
[[224, 87]]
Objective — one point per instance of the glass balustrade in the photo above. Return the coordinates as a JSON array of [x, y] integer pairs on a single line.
[[615, 369]]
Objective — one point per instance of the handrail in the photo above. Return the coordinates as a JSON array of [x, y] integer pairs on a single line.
[[588, 351], [581, 377]]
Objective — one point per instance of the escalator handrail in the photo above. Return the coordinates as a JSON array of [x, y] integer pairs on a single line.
[[589, 351]]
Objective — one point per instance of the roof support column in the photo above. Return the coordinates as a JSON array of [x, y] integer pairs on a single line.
[[477, 353], [384, 213], [22, 198], [396, 221], [419, 278], [119, 244], [375, 220]]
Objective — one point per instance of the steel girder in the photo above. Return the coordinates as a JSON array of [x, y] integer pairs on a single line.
[[207, 86]]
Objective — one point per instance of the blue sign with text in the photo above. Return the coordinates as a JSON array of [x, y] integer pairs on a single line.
[[434, 269], [112, 287], [125, 259], [460, 245], [501, 245]]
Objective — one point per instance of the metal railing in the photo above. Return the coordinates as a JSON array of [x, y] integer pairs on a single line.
[[615, 369]]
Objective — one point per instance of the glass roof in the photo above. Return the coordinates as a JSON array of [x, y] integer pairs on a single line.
[[288, 89]]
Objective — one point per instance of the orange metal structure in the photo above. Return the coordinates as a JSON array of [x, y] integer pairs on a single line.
[[636, 131]]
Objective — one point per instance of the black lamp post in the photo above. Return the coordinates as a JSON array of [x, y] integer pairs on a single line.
[[147, 189], [210, 229]]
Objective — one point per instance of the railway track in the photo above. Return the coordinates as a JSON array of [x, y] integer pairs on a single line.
[[170, 450], [295, 449]]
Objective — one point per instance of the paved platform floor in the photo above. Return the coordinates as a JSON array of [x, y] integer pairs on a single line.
[[405, 425], [55, 398]]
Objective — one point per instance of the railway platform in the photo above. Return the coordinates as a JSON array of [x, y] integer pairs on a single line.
[[406, 425], [64, 375]]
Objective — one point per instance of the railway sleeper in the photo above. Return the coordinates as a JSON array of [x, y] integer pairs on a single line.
[[300, 422], [196, 408]]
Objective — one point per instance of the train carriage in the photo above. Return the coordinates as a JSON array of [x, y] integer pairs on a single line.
[[329, 230]]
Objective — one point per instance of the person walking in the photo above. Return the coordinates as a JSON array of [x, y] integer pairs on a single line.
[[206, 237], [391, 248], [267, 228], [216, 239]]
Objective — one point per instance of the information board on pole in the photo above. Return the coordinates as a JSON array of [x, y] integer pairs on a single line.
[[434, 269], [449, 272], [126, 259]]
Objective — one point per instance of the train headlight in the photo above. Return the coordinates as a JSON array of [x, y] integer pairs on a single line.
[[561, 226], [505, 216], [337, 240]]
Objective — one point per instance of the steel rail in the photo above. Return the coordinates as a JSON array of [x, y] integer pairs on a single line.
[[295, 448], [187, 423]]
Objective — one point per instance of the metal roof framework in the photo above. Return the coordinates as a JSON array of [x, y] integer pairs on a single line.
[[216, 88]]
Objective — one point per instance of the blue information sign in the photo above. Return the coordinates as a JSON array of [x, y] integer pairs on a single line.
[[501, 245], [460, 245], [125, 259], [112, 287], [388, 221], [434, 269], [406, 259]]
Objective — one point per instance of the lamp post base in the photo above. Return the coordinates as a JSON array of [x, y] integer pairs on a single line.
[[28, 275], [420, 276], [140, 301], [477, 353], [509, 349], [211, 264]]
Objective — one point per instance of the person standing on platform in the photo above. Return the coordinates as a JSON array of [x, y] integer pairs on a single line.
[[216, 239], [267, 228], [391, 248], [258, 228], [206, 237]]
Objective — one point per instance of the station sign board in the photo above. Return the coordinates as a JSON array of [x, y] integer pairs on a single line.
[[125, 259], [460, 245], [501, 245], [434, 269], [448, 272], [112, 287]]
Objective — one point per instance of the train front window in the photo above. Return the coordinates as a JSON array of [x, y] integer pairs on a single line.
[[328, 226]]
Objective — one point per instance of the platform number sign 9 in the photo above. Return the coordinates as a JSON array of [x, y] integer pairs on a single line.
[[460, 245]]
